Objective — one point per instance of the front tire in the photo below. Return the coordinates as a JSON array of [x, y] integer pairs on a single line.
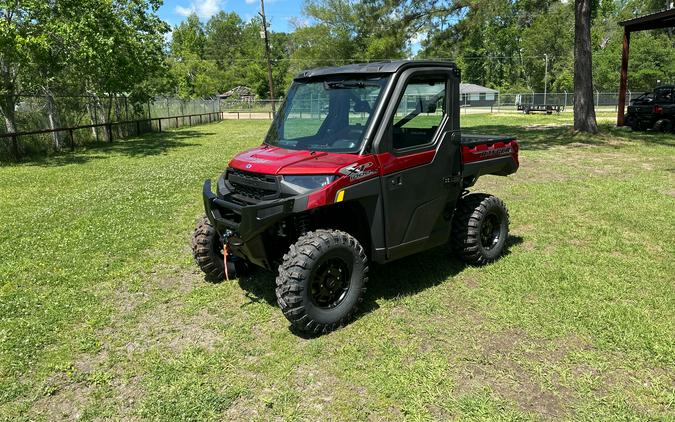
[[322, 280], [480, 228], [207, 250]]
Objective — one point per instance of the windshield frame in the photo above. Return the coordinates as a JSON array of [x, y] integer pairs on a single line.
[[384, 80]]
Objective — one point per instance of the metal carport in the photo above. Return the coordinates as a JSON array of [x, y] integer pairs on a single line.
[[658, 20]]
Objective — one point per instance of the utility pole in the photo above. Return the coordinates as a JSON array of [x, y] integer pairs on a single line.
[[267, 53], [545, 77]]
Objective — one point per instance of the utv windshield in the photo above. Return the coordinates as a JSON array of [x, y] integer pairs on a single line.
[[326, 115]]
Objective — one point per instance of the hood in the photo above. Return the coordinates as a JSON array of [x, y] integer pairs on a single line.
[[267, 159]]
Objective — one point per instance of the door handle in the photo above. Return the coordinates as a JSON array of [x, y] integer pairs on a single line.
[[396, 182]]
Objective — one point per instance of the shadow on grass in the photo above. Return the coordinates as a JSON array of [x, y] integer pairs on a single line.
[[404, 277], [541, 137], [147, 145]]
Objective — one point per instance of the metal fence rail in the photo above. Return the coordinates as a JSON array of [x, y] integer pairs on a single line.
[[112, 130]]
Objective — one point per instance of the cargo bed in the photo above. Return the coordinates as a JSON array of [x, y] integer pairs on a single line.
[[487, 154]]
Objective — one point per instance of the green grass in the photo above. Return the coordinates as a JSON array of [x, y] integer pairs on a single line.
[[104, 314]]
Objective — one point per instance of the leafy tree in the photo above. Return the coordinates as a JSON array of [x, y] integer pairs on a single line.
[[194, 77], [24, 44], [355, 31], [551, 34], [192, 74], [99, 45], [253, 70], [223, 38], [189, 39], [122, 48], [486, 40]]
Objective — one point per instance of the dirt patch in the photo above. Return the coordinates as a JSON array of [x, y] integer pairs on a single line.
[[146, 325], [317, 388], [88, 363], [177, 279], [539, 171], [242, 410], [165, 326], [516, 387], [500, 366], [160, 324], [128, 394], [64, 399], [471, 281]]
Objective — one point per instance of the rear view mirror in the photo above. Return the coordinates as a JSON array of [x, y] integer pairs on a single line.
[[427, 106]]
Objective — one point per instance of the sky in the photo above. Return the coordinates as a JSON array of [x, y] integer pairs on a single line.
[[279, 12]]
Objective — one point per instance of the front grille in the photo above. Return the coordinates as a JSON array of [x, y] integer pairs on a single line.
[[251, 185]]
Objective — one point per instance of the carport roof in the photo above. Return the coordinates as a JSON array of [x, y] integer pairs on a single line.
[[662, 19], [474, 89]]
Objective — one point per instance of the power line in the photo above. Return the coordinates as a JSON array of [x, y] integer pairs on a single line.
[[373, 60], [267, 53]]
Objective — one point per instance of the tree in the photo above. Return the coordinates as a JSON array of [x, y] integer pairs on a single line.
[[551, 34], [188, 38], [354, 30], [105, 46], [119, 47], [584, 109], [24, 40], [253, 69], [223, 38]]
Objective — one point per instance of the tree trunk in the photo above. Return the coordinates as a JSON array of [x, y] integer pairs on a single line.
[[108, 116], [93, 115], [8, 104], [52, 119], [584, 109], [7, 108]]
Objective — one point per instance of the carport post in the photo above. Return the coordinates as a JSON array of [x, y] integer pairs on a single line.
[[623, 82]]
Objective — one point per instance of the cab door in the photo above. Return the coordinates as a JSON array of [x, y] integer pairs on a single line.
[[419, 157]]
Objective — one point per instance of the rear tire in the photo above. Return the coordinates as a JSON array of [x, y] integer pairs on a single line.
[[663, 125], [322, 280], [480, 228], [207, 249]]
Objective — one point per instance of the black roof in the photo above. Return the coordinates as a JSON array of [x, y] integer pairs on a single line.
[[662, 19], [389, 66]]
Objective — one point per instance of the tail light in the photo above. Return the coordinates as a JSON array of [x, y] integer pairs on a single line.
[[658, 109]]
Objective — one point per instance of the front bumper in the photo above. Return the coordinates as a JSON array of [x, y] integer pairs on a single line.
[[245, 225]]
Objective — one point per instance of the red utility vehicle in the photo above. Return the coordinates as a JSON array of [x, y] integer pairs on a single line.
[[363, 163]]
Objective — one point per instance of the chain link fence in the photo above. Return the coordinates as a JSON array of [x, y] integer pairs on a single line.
[[505, 102], [38, 112], [48, 123], [97, 118]]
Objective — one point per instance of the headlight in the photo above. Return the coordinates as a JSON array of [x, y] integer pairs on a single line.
[[305, 183]]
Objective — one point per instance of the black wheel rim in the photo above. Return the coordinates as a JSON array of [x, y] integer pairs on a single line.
[[330, 283], [490, 231]]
